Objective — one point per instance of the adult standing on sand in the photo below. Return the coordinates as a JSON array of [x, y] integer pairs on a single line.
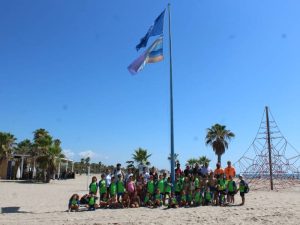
[[229, 170], [118, 171], [218, 170], [108, 179]]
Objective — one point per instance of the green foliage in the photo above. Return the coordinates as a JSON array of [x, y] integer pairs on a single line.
[[7, 144], [192, 161], [24, 147], [141, 156], [201, 160], [218, 137]]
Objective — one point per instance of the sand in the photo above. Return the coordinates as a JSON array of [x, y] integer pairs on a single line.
[[27, 203]]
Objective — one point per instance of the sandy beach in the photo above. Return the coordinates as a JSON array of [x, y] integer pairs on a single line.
[[28, 203]]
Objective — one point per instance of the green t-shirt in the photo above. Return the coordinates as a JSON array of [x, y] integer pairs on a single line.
[[92, 201], [231, 186], [113, 189], [94, 187], [222, 184], [174, 201], [198, 197], [178, 186], [242, 186], [161, 186], [120, 187], [207, 196], [74, 202], [102, 187], [168, 187], [150, 186], [146, 200], [157, 197]]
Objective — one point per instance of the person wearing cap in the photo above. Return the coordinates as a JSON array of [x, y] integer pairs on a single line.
[[218, 170], [229, 170]]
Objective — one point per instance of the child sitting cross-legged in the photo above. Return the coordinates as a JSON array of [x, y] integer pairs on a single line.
[[148, 201], [135, 201], [126, 200], [198, 197], [92, 202], [183, 199], [157, 199], [173, 201], [74, 203], [104, 200], [208, 197]]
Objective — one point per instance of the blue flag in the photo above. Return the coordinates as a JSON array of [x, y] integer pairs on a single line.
[[152, 55], [155, 29]]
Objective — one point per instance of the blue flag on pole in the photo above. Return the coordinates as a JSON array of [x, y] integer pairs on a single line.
[[152, 55], [155, 29]]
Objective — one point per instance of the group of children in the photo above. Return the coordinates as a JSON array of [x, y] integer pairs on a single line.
[[156, 191]]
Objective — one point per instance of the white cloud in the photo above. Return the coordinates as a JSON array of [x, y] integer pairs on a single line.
[[87, 153], [68, 153]]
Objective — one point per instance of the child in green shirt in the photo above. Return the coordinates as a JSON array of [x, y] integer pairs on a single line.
[[198, 197], [231, 187], [120, 187], [102, 187], [173, 203], [93, 188], [113, 187], [150, 186]]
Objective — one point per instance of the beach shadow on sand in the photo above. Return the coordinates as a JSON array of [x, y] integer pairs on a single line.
[[11, 210]]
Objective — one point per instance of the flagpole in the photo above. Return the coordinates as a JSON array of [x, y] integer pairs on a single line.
[[171, 103]]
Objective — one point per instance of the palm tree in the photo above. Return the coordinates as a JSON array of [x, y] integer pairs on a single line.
[[141, 156], [218, 137], [42, 141], [203, 160], [176, 161], [53, 157], [24, 147], [192, 161], [7, 144]]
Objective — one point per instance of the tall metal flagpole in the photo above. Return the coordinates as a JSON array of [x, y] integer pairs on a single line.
[[171, 103], [269, 148]]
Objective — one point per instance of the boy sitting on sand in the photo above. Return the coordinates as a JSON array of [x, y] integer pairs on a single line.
[[92, 202], [173, 201], [157, 199], [183, 199], [125, 200], [208, 197], [74, 203], [197, 201], [104, 200], [135, 201]]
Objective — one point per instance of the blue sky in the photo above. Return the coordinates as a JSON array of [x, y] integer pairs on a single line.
[[63, 68]]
